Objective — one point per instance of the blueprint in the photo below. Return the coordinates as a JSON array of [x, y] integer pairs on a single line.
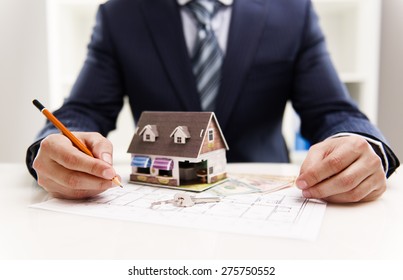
[[284, 213]]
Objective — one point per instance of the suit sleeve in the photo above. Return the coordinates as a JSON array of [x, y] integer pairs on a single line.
[[97, 95], [321, 99]]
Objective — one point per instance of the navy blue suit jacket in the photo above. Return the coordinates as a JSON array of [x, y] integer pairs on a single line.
[[276, 52]]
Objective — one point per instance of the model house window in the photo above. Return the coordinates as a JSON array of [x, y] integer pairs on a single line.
[[149, 133], [142, 163], [164, 166], [180, 134], [210, 135], [143, 170]]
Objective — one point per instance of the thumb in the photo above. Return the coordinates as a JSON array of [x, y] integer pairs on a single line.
[[100, 146], [311, 165], [315, 155]]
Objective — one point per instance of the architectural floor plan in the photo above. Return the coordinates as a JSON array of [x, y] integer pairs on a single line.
[[243, 209]]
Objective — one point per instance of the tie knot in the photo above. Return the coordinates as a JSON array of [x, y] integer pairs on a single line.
[[203, 10]]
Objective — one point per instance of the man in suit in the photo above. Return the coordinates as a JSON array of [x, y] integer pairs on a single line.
[[273, 51]]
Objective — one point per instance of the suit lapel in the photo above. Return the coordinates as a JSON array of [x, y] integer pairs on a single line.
[[245, 31], [164, 21]]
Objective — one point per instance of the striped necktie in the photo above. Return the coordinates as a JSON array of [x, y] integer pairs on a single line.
[[207, 56]]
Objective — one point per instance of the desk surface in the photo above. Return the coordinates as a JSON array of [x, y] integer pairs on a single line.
[[371, 230]]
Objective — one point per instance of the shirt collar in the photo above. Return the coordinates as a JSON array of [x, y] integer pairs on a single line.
[[224, 2]]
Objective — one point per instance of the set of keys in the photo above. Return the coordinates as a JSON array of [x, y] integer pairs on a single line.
[[186, 200]]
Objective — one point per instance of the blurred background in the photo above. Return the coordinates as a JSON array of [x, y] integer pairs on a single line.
[[43, 45]]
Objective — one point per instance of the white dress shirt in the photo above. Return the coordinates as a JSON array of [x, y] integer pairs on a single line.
[[220, 24]]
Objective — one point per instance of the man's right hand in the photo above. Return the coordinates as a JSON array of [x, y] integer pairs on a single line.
[[66, 172]]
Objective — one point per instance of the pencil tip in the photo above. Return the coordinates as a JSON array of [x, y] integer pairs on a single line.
[[117, 182]]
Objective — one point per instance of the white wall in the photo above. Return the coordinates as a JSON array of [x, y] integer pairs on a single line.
[[23, 74], [390, 118]]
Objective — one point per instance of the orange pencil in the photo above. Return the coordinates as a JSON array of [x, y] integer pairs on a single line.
[[80, 145]]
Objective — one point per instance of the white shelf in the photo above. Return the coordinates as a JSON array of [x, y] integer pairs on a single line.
[[352, 29], [350, 78]]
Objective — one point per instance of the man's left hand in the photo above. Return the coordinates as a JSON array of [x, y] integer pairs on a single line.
[[341, 170]]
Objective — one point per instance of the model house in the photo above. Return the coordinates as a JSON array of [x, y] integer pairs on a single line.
[[178, 149]]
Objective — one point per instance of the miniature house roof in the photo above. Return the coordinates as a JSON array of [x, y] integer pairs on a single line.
[[193, 124]]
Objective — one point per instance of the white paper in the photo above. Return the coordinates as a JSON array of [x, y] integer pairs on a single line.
[[285, 213]]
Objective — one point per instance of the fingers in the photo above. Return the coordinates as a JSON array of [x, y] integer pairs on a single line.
[[368, 190], [61, 150], [66, 172], [100, 146], [344, 181], [342, 170], [64, 183], [79, 191], [327, 159]]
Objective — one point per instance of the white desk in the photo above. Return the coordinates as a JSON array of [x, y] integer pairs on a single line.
[[362, 231]]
